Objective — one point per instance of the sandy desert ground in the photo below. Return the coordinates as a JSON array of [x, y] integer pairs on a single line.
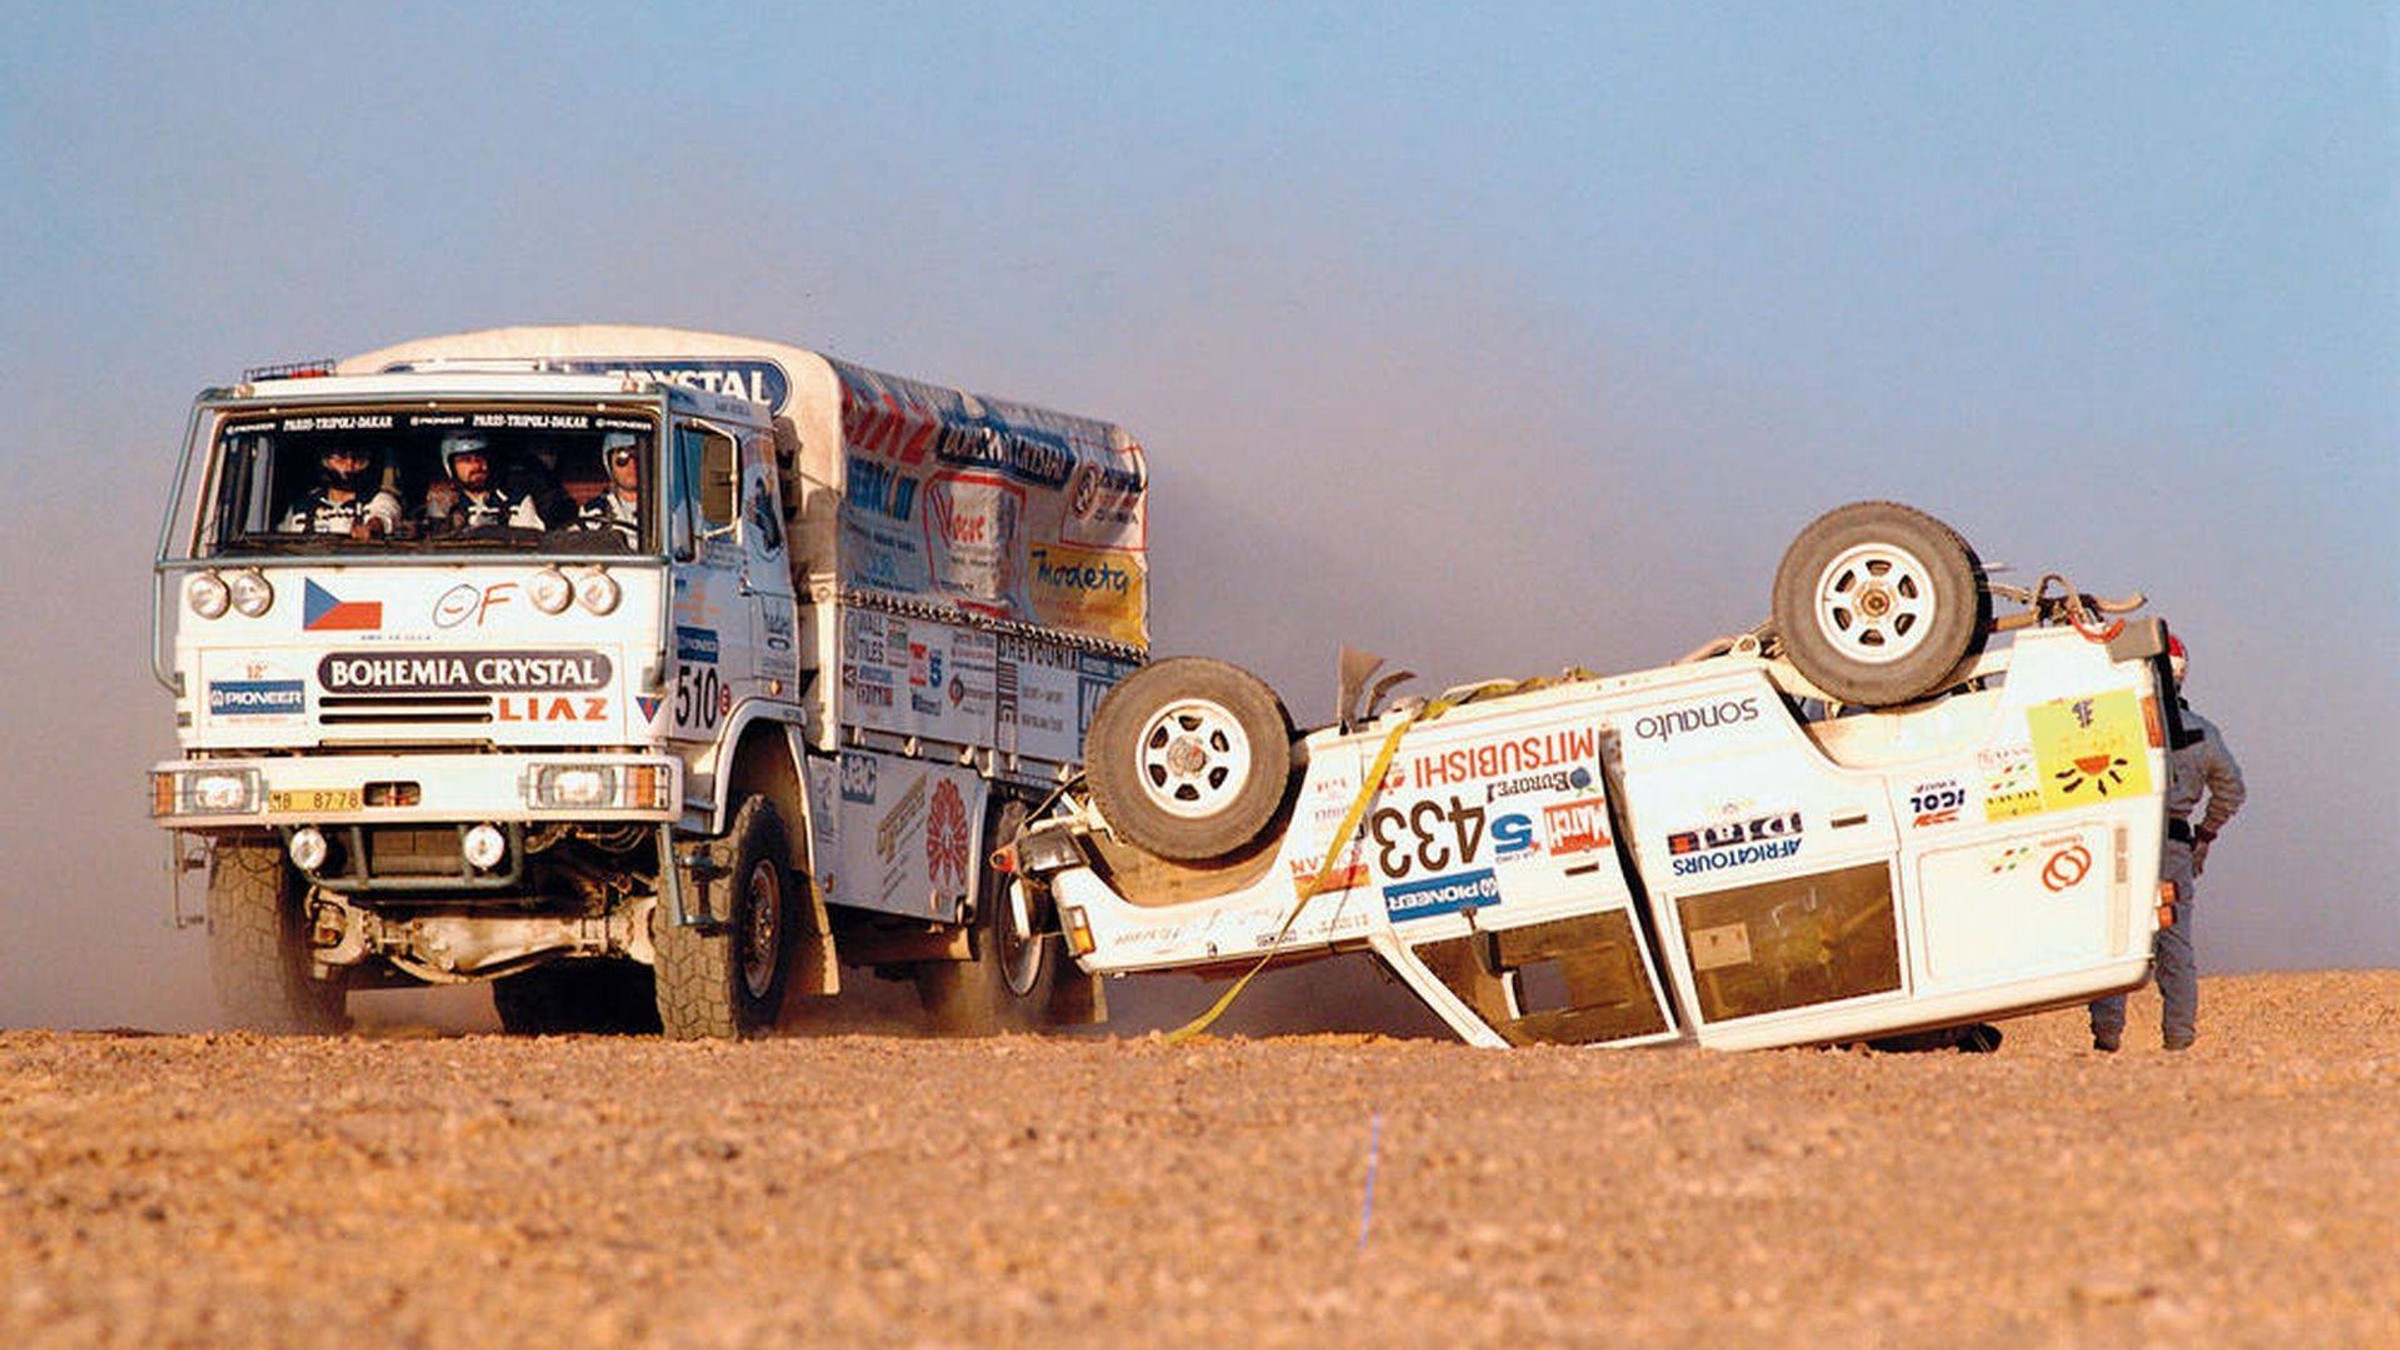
[[416, 1188]]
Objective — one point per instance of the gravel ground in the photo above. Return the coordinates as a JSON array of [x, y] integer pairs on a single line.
[[413, 1187]]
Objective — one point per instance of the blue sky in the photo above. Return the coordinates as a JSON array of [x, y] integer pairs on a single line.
[[1493, 338]]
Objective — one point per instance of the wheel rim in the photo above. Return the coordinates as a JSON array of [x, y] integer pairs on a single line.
[[1194, 759], [1020, 947], [1875, 603], [762, 929]]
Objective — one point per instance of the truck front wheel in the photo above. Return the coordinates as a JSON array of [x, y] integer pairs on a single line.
[[258, 947], [726, 981]]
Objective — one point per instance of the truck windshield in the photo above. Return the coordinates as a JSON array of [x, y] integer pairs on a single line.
[[340, 480]]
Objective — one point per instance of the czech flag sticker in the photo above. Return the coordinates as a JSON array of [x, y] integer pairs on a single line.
[[321, 612]]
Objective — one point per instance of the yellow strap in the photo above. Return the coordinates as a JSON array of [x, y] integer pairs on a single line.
[[1367, 791]]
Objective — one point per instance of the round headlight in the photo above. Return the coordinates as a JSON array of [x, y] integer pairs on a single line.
[[598, 592], [486, 846], [551, 590], [308, 848], [252, 595], [207, 595]]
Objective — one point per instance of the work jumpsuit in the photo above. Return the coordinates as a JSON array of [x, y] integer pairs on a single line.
[[2204, 769]]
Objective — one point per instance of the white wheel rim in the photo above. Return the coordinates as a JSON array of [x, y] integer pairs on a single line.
[[1875, 603], [762, 929], [1194, 758]]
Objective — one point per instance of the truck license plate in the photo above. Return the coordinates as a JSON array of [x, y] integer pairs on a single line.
[[313, 800]]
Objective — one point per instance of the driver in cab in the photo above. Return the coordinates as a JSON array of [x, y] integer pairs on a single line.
[[340, 501]]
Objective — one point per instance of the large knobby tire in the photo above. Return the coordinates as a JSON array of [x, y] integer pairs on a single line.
[[1007, 987], [1880, 604], [578, 997], [726, 982], [258, 945], [1190, 758]]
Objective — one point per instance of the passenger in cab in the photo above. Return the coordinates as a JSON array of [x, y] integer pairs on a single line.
[[341, 502], [471, 499], [618, 507]]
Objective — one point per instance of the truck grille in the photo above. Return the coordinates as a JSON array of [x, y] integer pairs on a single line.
[[404, 709]]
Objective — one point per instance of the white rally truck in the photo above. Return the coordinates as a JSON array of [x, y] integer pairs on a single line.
[[1881, 814], [739, 667]]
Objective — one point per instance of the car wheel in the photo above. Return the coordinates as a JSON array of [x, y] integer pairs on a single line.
[[1190, 758], [1880, 604]]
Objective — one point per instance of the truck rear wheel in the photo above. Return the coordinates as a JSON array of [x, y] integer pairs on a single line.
[[1190, 758], [1007, 987], [258, 945], [1880, 604], [726, 982], [568, 998]]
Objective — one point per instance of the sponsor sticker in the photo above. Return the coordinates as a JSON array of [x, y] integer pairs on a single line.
[[465, 672], [1521, 755], [2090, 749], [1513, 837], [2066, 868], [1096, 590], [2010, 789], [1577, 827], [1936, 803], [696, 644], [1734, 843], [1441, 895], [946, 846], [1666, 724], [256, 698]]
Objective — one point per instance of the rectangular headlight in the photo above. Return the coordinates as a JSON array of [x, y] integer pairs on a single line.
[[552, 786], [205, 792]]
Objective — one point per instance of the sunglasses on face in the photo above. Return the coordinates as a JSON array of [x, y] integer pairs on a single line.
[[618, 457]]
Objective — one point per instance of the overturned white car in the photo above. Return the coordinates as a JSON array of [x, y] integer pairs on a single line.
[[1880, 812]]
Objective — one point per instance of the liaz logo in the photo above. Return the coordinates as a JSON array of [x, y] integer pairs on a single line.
[[322, 612]]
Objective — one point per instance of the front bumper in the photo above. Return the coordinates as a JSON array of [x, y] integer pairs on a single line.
[[264, 793]]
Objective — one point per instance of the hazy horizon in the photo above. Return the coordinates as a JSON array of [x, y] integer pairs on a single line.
[[1494, 347]]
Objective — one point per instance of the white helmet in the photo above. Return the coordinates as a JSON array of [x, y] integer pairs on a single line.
[[463, 443]]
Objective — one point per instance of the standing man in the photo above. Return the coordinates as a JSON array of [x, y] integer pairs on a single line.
[[2202, 767]]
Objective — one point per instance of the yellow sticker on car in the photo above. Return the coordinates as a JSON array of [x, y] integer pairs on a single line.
[[2090, 750]]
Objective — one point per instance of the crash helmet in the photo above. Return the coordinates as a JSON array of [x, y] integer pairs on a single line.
[[360, 462], [2175, 657], [463, 443]]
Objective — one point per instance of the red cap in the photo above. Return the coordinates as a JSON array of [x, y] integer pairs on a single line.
[[2175, 648]]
